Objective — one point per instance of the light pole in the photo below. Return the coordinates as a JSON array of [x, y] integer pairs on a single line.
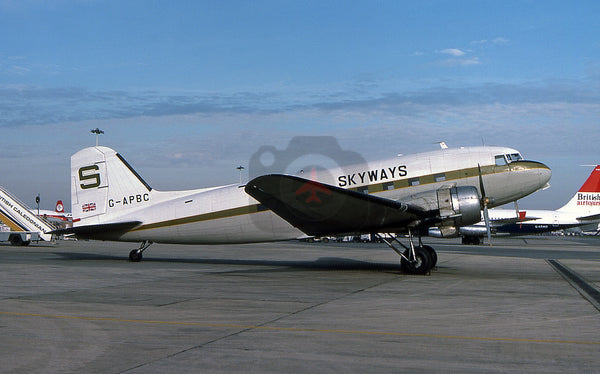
[[97, 131], [240, 168]]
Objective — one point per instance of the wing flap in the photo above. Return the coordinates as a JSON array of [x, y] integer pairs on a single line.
[[320, 209]]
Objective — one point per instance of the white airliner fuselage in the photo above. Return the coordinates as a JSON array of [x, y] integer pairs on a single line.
[[107, 194]]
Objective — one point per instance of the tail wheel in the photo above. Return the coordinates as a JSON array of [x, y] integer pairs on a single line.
[[421, 264], [135, 256]]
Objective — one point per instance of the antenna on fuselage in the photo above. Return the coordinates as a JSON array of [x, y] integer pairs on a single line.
[[442, 145]]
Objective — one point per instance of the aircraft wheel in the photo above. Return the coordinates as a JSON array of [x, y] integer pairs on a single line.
[[421, 266], [432, 255], [135, 256], [26, 243]]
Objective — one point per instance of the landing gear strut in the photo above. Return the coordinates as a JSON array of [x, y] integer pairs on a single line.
[[418, 260], [136, 254]]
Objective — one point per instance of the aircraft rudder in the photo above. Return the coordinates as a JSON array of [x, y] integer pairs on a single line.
[[592, 184]]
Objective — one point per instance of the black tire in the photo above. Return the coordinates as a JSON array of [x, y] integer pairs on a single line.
[[25, 243], [135, 256], [432, 255], [421, 266], [16, 240]]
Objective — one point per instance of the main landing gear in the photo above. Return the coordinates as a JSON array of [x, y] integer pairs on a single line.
[[418, 260], [136, 254]]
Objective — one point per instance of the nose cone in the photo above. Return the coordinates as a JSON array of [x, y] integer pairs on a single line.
[[517, 180], [544, 174], [530, 176]]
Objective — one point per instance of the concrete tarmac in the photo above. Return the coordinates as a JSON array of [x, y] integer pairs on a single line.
[[80, 306]]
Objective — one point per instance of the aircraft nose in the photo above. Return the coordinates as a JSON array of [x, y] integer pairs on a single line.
[[544, 173], [539, 174]]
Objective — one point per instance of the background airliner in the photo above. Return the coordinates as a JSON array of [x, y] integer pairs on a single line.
[[583, 209], [58, 216], [444, 188]]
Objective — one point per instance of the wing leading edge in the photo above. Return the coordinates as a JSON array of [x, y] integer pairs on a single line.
[[320, 209]]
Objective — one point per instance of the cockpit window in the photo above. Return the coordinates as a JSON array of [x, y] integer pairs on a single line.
[[514, 157], [500, 160]]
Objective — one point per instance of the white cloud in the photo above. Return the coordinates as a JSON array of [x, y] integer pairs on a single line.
[[459, 62], [500, 40], [497, 40], [453, 51]]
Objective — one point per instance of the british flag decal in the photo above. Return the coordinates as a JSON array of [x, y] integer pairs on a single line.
[[89, 207]]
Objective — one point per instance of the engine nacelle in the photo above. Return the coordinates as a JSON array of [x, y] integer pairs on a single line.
[[474, 231], [457, 206]]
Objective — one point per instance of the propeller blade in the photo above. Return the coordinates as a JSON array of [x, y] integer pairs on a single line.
[[481, 187], [486, 217], [484, 203]]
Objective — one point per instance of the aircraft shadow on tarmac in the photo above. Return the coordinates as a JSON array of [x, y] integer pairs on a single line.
[[323, 263]]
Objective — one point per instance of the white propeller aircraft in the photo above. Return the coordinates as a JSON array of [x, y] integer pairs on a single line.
[[408, 194], [582, 209]]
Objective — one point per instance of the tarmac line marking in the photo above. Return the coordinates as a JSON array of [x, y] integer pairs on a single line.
[[582, 285], [297, 329]]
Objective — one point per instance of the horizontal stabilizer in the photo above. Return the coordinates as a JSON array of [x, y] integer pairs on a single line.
[[592, 217], [105, 231], [320, 209]]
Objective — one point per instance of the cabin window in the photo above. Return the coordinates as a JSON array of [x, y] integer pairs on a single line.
[[364, 189], [414, 182], [500, 160], [388, 186], [439, 177]]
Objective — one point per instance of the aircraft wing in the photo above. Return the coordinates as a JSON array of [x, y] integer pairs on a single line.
[[508, 221], [320, 209], [105, 231]]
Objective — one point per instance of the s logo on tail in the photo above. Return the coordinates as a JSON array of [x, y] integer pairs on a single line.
[[85, 175]]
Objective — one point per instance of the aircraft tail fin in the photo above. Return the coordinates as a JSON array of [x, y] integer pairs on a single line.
[[18, 217], [586, 201], [104, 186], [59, 207]]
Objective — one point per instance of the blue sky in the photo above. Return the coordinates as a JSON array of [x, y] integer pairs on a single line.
[[187, 91]]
